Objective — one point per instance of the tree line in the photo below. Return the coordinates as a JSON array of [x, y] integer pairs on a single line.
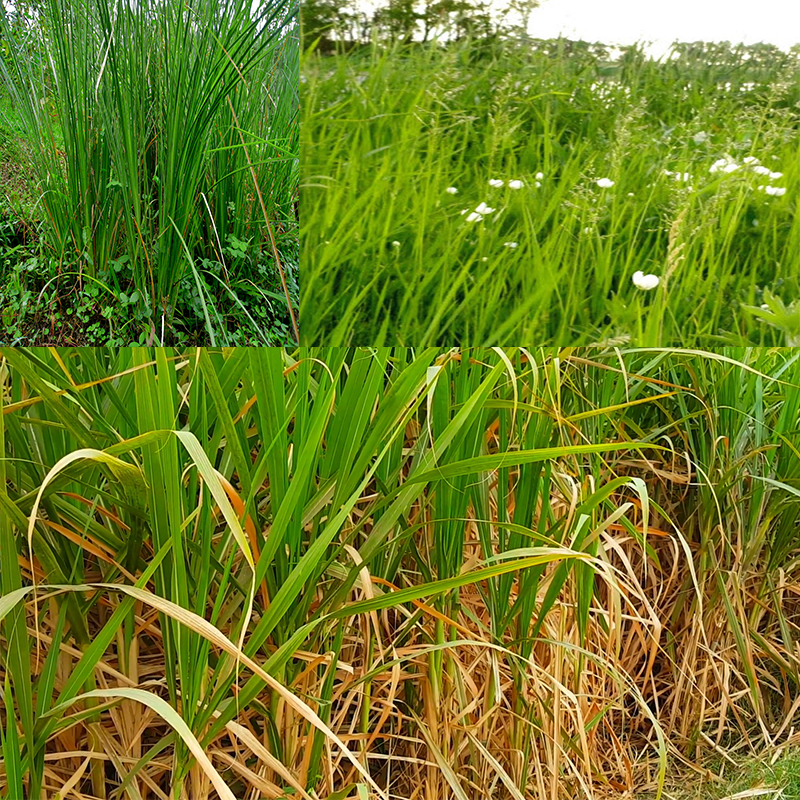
[[331, 23]]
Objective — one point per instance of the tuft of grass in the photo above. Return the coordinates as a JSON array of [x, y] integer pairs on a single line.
[[347, 572], [138, 115], [391, 258], [771, 776]]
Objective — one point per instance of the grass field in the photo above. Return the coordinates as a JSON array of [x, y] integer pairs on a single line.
[[686, 170], [393, 573], [149, 165]]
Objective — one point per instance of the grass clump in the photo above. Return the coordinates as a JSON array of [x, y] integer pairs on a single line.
[[335, 572], [772, 776], [603, 167], [162, 137]]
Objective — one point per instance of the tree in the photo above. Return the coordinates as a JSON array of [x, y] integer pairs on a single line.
[[399, 20], [517, 16], [443, 16], [324, 20]]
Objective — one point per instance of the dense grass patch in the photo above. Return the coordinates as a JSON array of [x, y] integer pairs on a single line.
[[349, 573], [775, 775], [160, 143], [391, 257]]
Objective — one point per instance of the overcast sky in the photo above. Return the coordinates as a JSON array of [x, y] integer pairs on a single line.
[[626, 21]]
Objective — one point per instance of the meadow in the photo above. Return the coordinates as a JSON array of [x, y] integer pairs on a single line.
[[496, 191], [362, 574], [149, 164]]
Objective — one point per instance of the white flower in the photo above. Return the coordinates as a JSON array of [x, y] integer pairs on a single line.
[[395, 244], [537, 184], [478, 213], [539, 176], [515, 184], [604, 183], [775, 191], [630, 194], [512, 245], [751, 160], [668, 172], [451, 190], [645, 282], [759, 170], [700, 137], [496, 183], [726, 164], [775, 175]]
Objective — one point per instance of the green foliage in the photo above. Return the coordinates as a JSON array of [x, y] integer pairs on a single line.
[[346, 25], [390, 256], [777, 314], [163, 121], [770, 777], [320, 19], [245, 291]]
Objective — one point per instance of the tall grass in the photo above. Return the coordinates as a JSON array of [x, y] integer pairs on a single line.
[[391, 258], [392, 572], [167, 121]]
